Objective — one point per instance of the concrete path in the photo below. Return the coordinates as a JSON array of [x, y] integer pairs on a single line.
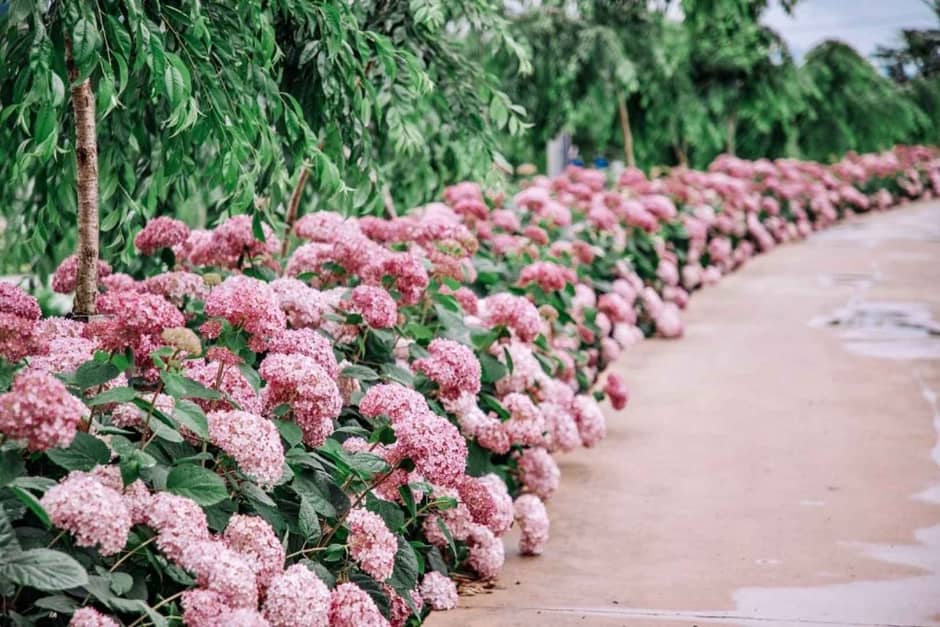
[[778, 466]]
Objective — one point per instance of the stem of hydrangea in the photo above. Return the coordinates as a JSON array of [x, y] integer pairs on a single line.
[[158, 606], [55, 539], [131, 552]]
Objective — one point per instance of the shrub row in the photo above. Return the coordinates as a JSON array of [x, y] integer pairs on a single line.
[[337, 426]]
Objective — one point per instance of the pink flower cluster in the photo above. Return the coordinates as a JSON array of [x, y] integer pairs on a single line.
[[39, 410], [162, 232]]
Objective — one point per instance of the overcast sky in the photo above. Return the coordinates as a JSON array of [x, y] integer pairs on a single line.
[[861, 23]]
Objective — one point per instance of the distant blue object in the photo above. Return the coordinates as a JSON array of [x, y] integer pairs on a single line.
[[601, 162], [577, 162]]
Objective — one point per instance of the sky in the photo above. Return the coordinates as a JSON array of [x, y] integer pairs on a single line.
[[864, 24]]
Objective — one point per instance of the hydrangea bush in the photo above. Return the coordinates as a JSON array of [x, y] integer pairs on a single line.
[[336, 427]]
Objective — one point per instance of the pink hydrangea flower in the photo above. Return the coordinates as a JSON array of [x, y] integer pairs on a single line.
[[223, 571], [306, 342], [66, 275], [255, 540], [350, 606], [452, 366], [562, 428], [371, 544], [178, 286], [63, 354], [393, 400], [439, 591], [549, 276], [487, 553], [457, 519], [434, 445], [515, 312], [180, 524], [303, 305], [411, 279], [311, 392], [616, 390], [249, 304], [92, 512], [533, 521], [526, 424], [162, 232], [233, 243], [233, 383], [538, 472], [243, 617], [90, 617], [133, 320], [375, 305], [252, 441], [297, 597], [203, 608], [399, 609], [590, 418], [488, 501], [19, 313], [39, 409]]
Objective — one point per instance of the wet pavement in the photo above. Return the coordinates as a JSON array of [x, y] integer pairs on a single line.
[[778, 466]]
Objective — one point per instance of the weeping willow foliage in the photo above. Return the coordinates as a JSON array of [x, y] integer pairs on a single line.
[[211, 108], [853, 107]]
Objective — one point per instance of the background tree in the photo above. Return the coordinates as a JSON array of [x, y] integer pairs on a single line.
[[853, 107], [914, 64]]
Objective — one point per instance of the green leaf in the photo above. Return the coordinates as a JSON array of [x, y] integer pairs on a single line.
[[11, 466], [191, 416], [176, 81], [362, 373], [308, 521], [84, 453], [195, 482], [404, 578], [84, 41], [389, 512], [8, 542], [33, 504], [290, 432], [57, 603], [92, 373], [121, 583], [493, 369], [43, 569], [114, 395], [306, 487], [367, 464], [408, 498], [179, 386]]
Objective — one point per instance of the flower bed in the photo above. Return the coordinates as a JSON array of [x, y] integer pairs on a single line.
[[342, 434]]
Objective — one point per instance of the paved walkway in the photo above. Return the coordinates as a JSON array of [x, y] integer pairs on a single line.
[[778, 466]]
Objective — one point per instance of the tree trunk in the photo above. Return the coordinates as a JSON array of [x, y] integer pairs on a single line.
[[86, 182], [292, 208], [681, 154], [627, 132], [732, 130], [389, 201]]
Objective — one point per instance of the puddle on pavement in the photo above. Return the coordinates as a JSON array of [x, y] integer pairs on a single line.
[[888, 330]]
